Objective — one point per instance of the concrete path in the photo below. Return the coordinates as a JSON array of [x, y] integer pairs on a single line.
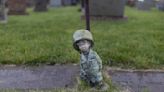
[[138, 80], [62, 76], [45, 77]]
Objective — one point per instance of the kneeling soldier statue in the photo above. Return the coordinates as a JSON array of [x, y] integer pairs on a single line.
[[90, 62]]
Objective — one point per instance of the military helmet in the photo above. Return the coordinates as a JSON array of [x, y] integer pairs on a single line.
[[82, 35]]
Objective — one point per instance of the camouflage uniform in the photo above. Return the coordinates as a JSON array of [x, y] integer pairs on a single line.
[[91, 64], [3, 11]]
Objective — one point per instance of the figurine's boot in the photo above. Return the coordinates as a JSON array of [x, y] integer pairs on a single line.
[[103, 86]]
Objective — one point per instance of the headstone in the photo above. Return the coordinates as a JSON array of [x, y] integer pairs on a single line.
[[75, 2], [41, 5], [66, 2], [3, 12], [107, 8], [55, 3], [69, 2], [160, 5], [17, 7], [145, 4], [131, 3], [30, 3]]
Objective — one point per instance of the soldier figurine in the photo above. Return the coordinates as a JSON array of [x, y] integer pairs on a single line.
[[3, 12], [90, 62]]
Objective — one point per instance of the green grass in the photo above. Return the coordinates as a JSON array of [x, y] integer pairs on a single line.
[[47, 38]]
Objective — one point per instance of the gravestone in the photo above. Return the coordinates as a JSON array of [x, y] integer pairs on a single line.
[[75, 2], [66, 2], [160, 5], [3, 12], [69, 2], [41, 5], [55, 3], [30, 3], [107, 8], [131, 3], [17, 7], [145, 4]]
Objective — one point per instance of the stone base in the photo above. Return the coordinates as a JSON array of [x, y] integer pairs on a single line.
[[106, 17]]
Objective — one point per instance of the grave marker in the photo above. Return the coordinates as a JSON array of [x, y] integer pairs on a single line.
[[160, 5], [3, 12], [145, 4], [17, 7], [41, 5], [107, 8], [55, 3]]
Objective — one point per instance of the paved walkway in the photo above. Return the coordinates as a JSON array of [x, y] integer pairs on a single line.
[[45, 77], [138, 80], [61, 76]]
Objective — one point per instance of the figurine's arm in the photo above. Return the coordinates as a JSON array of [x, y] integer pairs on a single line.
[[99, 60], [82, 70]]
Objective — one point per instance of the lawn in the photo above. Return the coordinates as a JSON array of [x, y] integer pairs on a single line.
[[46, 38]]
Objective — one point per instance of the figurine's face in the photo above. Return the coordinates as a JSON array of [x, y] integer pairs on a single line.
[[84, 45]]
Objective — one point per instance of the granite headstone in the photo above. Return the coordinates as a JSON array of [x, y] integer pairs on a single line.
[[55, 3], [41, 5], [107, 8], [3, 12], [131, 3], [145, 4], [69, 2], [17, 7], [30, 3], [160, 5]]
